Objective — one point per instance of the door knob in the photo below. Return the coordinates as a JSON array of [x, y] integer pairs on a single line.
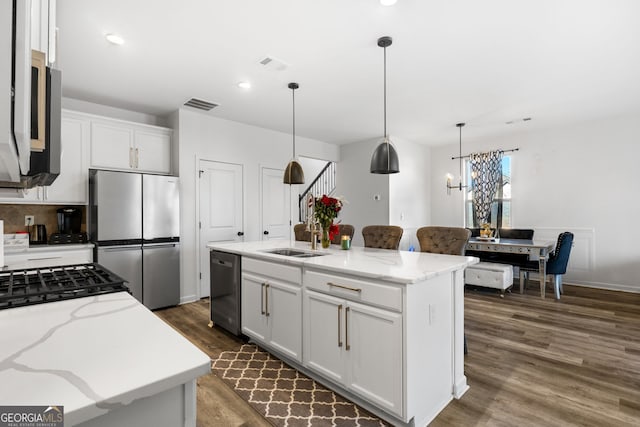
[[265, 232], [240, 233]]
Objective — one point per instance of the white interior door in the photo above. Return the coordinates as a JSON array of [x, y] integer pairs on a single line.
[[276, 205], [221, 210]]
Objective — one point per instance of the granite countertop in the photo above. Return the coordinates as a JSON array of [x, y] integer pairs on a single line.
[[383, 264], [92, 355]]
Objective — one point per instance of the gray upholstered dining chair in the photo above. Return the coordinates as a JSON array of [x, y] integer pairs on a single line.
[[301, 232], [303, 235], [443, 240], [343, 230], [382, 236]]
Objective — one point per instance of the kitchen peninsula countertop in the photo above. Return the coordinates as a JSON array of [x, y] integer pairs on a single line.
[[405, 311], [92, 355], [392, 266]]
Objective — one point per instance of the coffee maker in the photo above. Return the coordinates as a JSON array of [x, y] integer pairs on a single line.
[[69, 224]]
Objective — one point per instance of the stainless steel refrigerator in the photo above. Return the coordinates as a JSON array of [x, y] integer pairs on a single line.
[[133, 220]]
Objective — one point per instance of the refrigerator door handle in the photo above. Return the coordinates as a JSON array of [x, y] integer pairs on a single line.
[[159, 245], [119, 248]]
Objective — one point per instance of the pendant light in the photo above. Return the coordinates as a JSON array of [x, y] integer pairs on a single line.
[[459, 186], [294, 174], [385, 158]]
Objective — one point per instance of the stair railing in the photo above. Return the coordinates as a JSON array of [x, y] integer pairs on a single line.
[[324, 183]]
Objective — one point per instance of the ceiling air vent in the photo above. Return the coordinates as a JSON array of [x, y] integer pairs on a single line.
[[199, 104], [271, 63]]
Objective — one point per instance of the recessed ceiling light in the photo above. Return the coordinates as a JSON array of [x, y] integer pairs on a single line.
[[244, 85], [114, 39], [388, 2]]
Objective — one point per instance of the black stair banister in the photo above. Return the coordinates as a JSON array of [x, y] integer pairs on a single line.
[[324, 183]]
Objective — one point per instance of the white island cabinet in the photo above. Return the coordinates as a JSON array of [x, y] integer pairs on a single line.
[[271, 306], [352, 328], [106, 359], [384, 328]]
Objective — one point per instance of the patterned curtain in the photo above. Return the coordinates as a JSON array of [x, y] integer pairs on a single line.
[[486, 171]]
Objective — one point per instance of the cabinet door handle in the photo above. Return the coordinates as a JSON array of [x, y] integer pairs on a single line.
[[340, 325], [130, 157], [137, 158], [349, 288], [346, 328], [266, 299], [262, 298]]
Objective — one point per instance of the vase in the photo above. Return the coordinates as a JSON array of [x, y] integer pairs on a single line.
[[326, 242]]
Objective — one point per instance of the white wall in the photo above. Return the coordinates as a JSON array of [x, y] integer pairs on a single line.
[[311, 168], [201, 136], [581, 178], [410, 191], [404, 197], [116, 113], [358, 186]]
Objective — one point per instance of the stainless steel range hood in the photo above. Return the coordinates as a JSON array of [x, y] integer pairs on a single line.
[[19, 167], [44, 166]]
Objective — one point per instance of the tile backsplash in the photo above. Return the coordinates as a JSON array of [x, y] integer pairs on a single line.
[[13, 216]]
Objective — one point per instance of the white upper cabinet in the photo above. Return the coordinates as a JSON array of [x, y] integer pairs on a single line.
[[111, 146], [130, 146], [71, 186], [153, 150], [89, 141]]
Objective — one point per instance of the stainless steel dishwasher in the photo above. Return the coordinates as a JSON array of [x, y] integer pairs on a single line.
[[225, 290]]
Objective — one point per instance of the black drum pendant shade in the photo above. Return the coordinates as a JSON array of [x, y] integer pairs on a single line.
[[385, 159], [294, 174]]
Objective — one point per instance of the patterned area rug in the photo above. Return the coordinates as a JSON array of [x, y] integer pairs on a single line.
[[284, 396]]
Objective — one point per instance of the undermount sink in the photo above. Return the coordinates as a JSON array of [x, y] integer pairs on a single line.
[[297, 253]]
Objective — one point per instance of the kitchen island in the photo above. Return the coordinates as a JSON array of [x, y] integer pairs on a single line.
[[107, 359], [384, 328]]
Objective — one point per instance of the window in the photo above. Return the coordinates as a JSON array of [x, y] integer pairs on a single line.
[[501, 207]]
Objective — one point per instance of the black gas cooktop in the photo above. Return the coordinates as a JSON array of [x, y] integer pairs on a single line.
[[39, 285]]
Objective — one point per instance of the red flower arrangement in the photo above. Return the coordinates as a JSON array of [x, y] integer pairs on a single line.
[[326, 210]]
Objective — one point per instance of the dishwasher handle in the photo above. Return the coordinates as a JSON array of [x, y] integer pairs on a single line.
[[221, 263]]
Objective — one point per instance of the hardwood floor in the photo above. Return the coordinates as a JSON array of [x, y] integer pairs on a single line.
[[573, 362], [218, 405]]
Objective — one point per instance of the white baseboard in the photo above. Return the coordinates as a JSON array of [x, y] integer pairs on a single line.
[[596, 285], [607, 286], [188, 298]]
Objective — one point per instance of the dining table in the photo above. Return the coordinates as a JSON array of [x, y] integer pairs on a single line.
[[538, 248]]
